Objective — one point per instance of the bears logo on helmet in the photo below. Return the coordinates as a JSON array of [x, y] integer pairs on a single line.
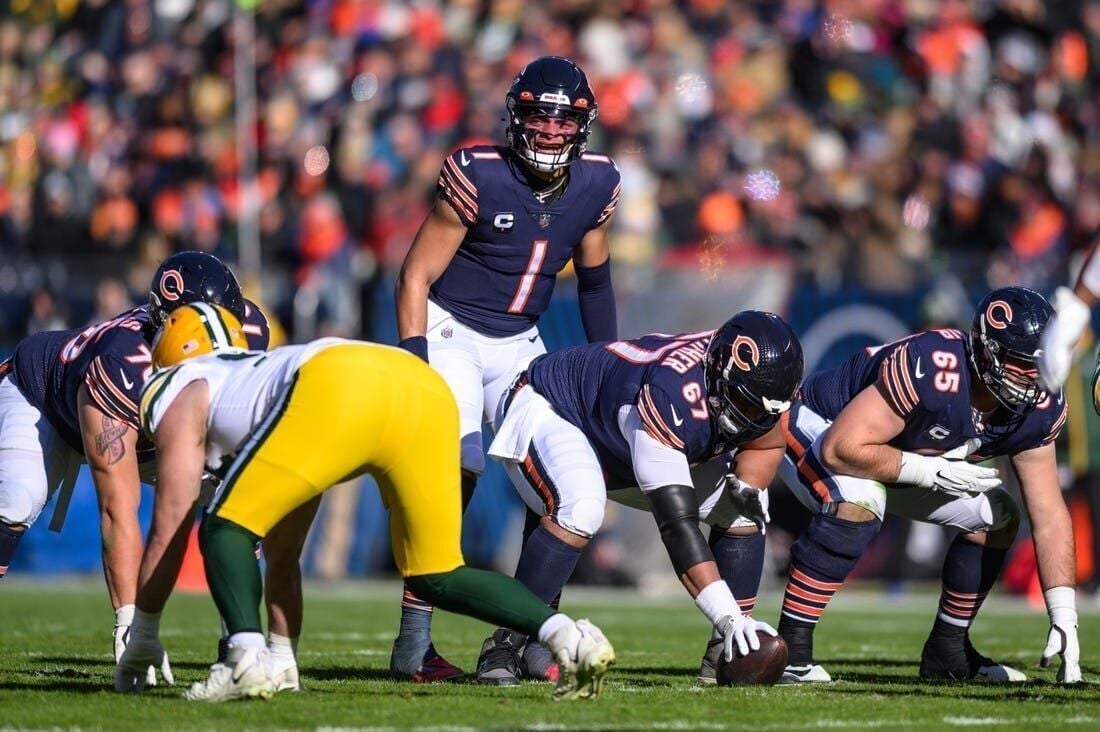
[[188, 277], [753, 369]]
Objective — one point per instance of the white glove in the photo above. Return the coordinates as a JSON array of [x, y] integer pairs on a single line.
[[749, 501], [1062, 637], [949, 473], [138, 651], [1060, 337], [741, 630]]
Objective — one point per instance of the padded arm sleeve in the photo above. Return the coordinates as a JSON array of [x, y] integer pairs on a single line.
[[597, 302]]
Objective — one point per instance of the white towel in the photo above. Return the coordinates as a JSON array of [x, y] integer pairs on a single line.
[[526, 412]]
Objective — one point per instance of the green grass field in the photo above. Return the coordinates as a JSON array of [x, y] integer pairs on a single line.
[[56, 669]]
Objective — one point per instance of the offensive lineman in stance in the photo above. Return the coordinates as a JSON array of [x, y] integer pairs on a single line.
[[280, 428], [506, 221], [71, 396], [627, 420], [892, 429]]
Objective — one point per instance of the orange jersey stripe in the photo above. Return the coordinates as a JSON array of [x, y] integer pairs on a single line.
[[460, 177]]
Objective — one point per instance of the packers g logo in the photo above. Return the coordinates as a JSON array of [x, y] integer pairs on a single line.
[[171, 285], [1000, 322], [744, 346]]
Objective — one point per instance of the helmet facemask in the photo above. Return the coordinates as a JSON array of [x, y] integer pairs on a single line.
[[1012, 377], [524, 133], [736, 410]]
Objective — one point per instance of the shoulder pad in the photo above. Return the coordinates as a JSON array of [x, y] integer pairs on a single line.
[[457, 184]]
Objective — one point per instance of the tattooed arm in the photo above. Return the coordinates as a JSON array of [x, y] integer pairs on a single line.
[[110, 446]]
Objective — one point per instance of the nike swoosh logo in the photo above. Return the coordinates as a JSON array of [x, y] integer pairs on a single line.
[[128, 384], [676, 417], [916, 370], [463, 159], [533, 338]]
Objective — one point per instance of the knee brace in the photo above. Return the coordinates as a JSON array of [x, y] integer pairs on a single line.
[[583, 517], [831, 546], [676, 510]]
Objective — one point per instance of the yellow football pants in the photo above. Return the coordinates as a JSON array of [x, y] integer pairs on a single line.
[[355, 409]]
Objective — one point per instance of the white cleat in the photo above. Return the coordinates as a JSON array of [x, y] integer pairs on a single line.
[[584, 656], [284, 674], [998, 673], [812, 674], [244, 675]]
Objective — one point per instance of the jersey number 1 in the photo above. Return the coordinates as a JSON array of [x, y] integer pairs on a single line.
[[527, 281]]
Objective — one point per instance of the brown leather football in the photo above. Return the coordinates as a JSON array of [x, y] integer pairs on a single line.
[[762, 666]]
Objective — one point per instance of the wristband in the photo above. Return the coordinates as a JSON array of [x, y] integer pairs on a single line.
[[1061, 605], [914, 470], [145, 624], [716, 602], [124, 615], [416, 345]]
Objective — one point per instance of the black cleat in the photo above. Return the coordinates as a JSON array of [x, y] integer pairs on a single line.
[[954, 658], [499, 662]]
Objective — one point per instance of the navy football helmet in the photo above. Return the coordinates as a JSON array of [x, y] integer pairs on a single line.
[[189, 277], [1004, 345], [753, 370], [553, 87]]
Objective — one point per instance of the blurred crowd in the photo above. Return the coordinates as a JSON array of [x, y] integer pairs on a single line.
[[878, 143]]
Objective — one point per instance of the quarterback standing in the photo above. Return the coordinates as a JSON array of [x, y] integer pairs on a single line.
[[70, 397], [627, 420], [506, 221], [895, 429], [279, 428]]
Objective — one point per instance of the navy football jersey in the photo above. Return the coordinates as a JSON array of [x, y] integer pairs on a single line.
[[925, 379], [502, 275], [661, 375], [113, 359]]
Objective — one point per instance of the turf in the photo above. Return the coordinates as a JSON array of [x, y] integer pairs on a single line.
[[56, 669]]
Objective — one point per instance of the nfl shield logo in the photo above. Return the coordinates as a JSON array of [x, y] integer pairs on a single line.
[[543, 220], [446, 332]]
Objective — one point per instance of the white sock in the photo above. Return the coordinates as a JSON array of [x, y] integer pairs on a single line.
[[247, 640], [553, 624], [282, 646]]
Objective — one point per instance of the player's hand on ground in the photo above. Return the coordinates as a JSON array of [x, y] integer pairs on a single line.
[[749, 501], [124, 616], [740, 631], [1062, 641]]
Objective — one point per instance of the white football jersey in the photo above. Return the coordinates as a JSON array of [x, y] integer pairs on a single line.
[[243, 386]]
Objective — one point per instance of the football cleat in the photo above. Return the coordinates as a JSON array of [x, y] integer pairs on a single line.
[[942, 661], [245, 675], [584, 657], [499, 662], [708, 668], [808, 674], [537, 662], [435, 668]]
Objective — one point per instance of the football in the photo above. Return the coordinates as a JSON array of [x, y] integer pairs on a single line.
[[762, 666]]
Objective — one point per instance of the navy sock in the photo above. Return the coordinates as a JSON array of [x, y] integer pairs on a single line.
[[9, 540], [821, 560], [546, 564], [969, 572], [740, 562]]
